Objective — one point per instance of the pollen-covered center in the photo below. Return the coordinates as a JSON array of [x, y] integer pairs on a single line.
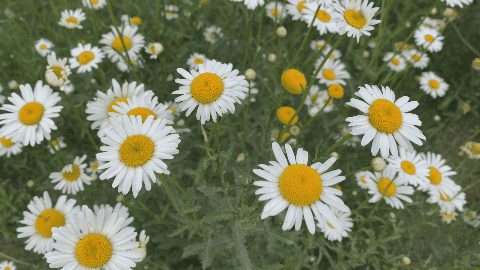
[[198, 61], [43, 47], [93, 250], [314, 98], [328, 74], [136, 20], [429, 38], [275, 12], [408, 167], [284, 114], [206, 87], [395, 61], [445, 198], [152, 49], [73, 175], [72, 20], [301, 6], [47, 220], [470, 216], [435, 177], [144, 112], [58, 72], [7, 142], [85, 57], [362, 178], [95, 166], [433, 84], [31, 113], [355, 18], [116, 103], [319, 46], [136, 150], [300, 184], [475, 149], [323, 16], [117, 44], [416, 57], [382, 185], [335, 91], [94, 1], [385, 116]]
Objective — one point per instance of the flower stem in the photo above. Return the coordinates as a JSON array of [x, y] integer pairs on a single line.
[[310, 27], [333, 147], [170, 194]]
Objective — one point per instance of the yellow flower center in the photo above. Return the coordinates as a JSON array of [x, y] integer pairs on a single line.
[[408, 167], [206, 87], [15, 85], [448, 215], [330, 225], [117, 44], [240, 156], [136, 20], [476, 62], [94, 2], [212, 36], [172, 109], [95, 166], [136, 150], [47, 220], [43, 47], [329, 103], [319, 46], [328, 75], [284, 114], [275, 12], [382, 185], [116, 103], [475, 149], [435, 176], [72, 20], [73, 175], [198, 61], [445, 199], [433, 84], [416, 57], [345, 134], [395, 61], [301, 6], [429, 38], [85, 57], [300, 184], [469, 216], [7, 142], [152, 49], [314, 98], [58, 72], [93, 250], [144, 112], [335, 91], [31, 113], [323, 16], [7, 268], [338, 187], [169, 13], [362, 178], [355, 18], [284, 136], [54, 143], [385, 116], [294, 81]]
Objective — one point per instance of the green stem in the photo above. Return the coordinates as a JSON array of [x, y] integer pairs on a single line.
[[249, 39], [170, 194], [310, 27], [192, 204], [333, 147], [12, 259]]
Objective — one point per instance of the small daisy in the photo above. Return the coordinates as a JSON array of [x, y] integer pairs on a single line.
[[7, 265], [350, 143], [296, 8], [143, 240], [324, 21], [385, 121], [431, 84], [135, 151], [323, 98], [120, 209], [317, 45], [93, 167], [472, 149], [171, 12], [471, 218], [397, 188], [274, 136], [251, 4], [355, 18], [418, 59], [333, 72], [7, 147], [154, 49], [448, 217], [85, 57], [131, 21], [363, 177], [94, 4], [215, 89], [174, 107], [459, 3], [13, 84], [195, 60], [432, 23], [113, 45], [144, 106], [43, 46], [57, 71], [72, 177], [71, 19], [57, 144], [67, 88], [136, 61], [300, 188], [429, 38], [212, 34], [333, 234], [29, 118], [446, 202], [439, 176], [40, 220], [94, 242], [395, 62], [275, 11], [240, 157], [410, 166], [336, 54]]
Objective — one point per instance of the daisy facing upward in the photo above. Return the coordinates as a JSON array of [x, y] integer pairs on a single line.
[[85, 57], [355, 17], [72, 177], [71, 19], [433, 85]]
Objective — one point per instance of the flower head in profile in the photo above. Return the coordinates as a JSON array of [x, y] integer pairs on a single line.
[[446, 202], [13, 84], [363, 177], [355, 17], [154, 49], [71, 19], [57, 71], [171, 12], [251, 4], [56, 145], [334, 234], [472, 149], [131, 21]]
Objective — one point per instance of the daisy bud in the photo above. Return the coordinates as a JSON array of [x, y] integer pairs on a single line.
[[250, 74], [460, 153], [240, 157], [406, 260], [366, 54], [450, 13], [354, 193], [372, 44], [378, 164], [434, 11], [94, 176], [476, 64], [169, 78], [281, 31], [294, 81], [292, 141], [334, 154], [119, 198], [30, 183], [436, 118], [407, 24], [272, 57], [335, 91], [294, 130], [312, 259]]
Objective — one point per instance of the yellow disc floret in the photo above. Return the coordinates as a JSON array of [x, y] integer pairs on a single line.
[[355, 18], [136, 20], [301, 6], [429, 38], [198, 61], [362, 178], [94, 1], [57, 71], [206, 87], [335, 91], [328, 74], [93, 250], [85, 57], [136, 150], [433, 84], [475, 148], [31, 113], [47, 220], [144, 112], [95, 166], [284, 114], [116, 103], [72, 20], [275, 12], [73, 175], [294, 81], [7, 142], [385, 116], [445, 198], [408, 167], [416, 57], [300, 184], [382, 185], [43, 47], [434, 176], [117, 44], [323, 16], [395, 61]]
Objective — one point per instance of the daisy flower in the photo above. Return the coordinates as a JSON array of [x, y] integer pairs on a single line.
[[446, 202], [85, 57], [40, 220], [120, 209], [93, 167], [432, 23], [71, 19], [113, 45], [213, 33], [345, 131], [57, 71], [323, 20], [94, 241], [171, 12], [410, 166], [363, 177], [448, 217], [392, 188], [43, 46], [135, 151], [385, 121], [333, 72], [7, 147], [336, 54], [154, 49], [297, 8], [94, 4], [57, 144], [471, 218], [429, 38], [72, 177], [143, 240], [29, 118], [275, 11], [136, 61], [103, 103], [418, 59], [472, 149], [131, 21], [439, 176], [330, 232], [195, 60], [13, 84], [7, 265], [433, 85], [215, 89], [274, 135], [395, 62], [460, 3], [355, 17], [251, 4], [301, 188], [174, 107], [67, 88], [323, 99], [313, 97], [2, 98], [144, 105], [317, 45]]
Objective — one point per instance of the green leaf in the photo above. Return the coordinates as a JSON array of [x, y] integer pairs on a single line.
[[239, 238]]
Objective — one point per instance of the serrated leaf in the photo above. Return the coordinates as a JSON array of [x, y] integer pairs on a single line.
[[214, 217], [239, 239], [205, 257]]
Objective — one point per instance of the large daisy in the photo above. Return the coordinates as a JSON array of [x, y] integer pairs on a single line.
[[410, 166], [195, 60], [214, 88], [333, 72], [332, 233], [94, 4], [385, 121], [40, 220], [439, 176], [355, 18], [143, 105], [7, 147], [135, 151], [395, 61], [323, 20], [57, 71], [418, 59], [94, 241], [433, 85], [429, 39], [301, 188], [29, 118], [72, 177], [296, 8], [85, 57], [43, 46], [113, 45], [71, 19]]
